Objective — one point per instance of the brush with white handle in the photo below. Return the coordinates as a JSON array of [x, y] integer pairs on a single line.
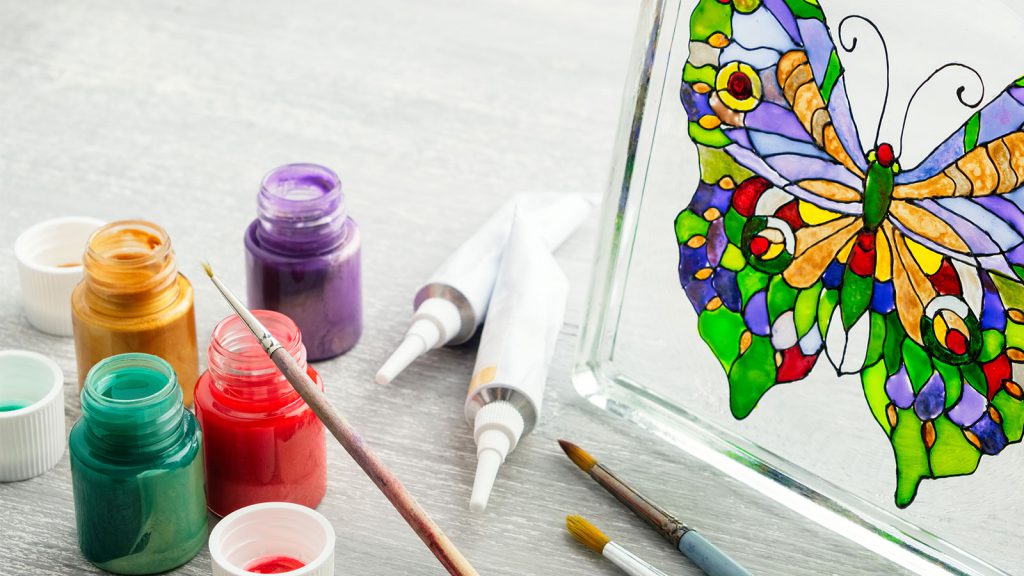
[[592, 538]]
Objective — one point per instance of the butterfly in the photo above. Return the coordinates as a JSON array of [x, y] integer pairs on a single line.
[[798, 242]]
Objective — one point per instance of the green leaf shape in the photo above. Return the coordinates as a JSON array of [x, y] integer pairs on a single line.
[[806, 9], [911, 456], [872, 378], [1012, 411], [952, 454], [854, 297], [751, 376], [734, 223], [689, 225], [805, 310], [919, 365], [716, 164], [952, 379], [993, 345], [708, 17], [781, 297], [721, 329], [876, 340], [751, 281], [705, 74], [714, 138]]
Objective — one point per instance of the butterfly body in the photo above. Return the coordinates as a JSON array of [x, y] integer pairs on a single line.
[[798, 242], [878, 188]]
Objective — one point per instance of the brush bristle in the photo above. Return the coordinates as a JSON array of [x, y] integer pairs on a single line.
[[586, 533], [578, 455], [208, 269]]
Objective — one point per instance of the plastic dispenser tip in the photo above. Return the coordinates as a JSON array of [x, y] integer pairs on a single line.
[[497, 428], [435, 322]]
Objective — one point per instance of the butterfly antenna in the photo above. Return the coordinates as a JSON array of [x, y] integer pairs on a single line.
[[850, 45], [959, 91]]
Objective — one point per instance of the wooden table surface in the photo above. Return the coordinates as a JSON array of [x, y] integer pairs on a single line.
[[433, 113]]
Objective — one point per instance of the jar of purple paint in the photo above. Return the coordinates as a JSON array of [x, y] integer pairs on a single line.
[[302, 258]]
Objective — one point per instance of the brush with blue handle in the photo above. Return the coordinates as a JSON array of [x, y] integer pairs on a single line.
[[698, 549]]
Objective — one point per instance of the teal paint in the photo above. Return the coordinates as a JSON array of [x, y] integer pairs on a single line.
[[137, 468]]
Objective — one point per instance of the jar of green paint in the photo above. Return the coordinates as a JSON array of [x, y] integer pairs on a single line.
[[137, 468]]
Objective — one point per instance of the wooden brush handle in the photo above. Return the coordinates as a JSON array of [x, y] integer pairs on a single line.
[[417, 518]]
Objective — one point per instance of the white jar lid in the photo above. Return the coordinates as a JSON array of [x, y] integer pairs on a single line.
[[50, 266], [273, 530], [31, 414]]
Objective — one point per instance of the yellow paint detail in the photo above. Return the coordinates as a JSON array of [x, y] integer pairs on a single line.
[[712, 214], [813, 215], [726, 183], [714, 304], [718, 40], [883, 257], [844, 254], [696, 241], [940, 328], [773, 251], [702, 88], [709, 122], [929, 260], [703, 274]]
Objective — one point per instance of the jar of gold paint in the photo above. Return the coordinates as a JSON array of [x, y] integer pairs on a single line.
[[133, 299]]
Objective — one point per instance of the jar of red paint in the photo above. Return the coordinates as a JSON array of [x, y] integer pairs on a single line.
[[262, 443]]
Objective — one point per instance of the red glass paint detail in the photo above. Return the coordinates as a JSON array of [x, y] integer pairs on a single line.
[[790, 212], [945, 280], [997, 371], [759, 245], [744, 200], [862, 257], [739, 86], [274, 565], [795, 366], [885, 155], [261, 442], [956, 342]]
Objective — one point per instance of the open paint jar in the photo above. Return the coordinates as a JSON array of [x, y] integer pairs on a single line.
[[31, 414], [273, 538]]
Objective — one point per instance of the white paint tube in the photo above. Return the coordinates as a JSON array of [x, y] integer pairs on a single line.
[[451, 305], [523, 321]]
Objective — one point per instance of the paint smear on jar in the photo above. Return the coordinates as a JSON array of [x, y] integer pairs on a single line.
[[274, 565]]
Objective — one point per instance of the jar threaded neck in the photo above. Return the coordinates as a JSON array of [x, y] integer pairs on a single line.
[[301, 209], [240, 369], [129, 266], [132, 405]]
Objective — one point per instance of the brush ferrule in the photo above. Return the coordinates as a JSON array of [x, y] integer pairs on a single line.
[[666, 524], [628, 562]]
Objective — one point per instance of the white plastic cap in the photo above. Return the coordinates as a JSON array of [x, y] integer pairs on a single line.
[[435, 322], [31, 414], [273, 530], [497, 429], [50, 266]]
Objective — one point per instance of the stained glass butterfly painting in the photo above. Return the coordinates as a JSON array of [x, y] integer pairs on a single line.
[[800, 243]]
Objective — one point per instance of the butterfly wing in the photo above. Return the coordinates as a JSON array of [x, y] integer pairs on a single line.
[[941, 375], [765, 240]]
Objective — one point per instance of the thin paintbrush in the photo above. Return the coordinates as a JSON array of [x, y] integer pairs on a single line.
[[699, 550], [430, 533], [592, 538]]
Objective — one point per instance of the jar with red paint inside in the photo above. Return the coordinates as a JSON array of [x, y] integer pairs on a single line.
[[262, 443]]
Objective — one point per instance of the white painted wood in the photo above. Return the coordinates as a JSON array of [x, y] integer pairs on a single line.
[[433, 113]]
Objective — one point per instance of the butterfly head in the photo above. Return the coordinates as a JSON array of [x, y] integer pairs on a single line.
[[885, 156]]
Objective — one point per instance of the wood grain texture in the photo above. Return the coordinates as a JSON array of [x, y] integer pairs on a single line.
[[433, 113]]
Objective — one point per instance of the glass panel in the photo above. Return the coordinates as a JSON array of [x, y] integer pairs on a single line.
[[939, 394]]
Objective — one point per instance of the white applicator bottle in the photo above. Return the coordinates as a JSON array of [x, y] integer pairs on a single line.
[[451, 305], [523, 322]]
